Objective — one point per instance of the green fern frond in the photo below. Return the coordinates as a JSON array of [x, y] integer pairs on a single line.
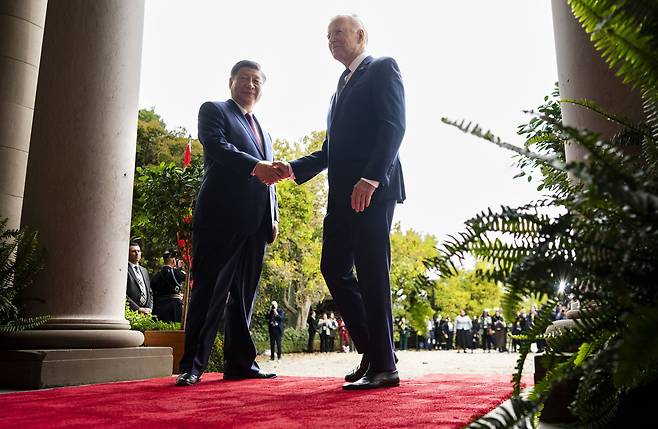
[[23, 324], [20, 260], [520, 416], [625, 36]]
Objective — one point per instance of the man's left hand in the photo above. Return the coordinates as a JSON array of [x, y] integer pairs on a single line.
[[361, 195], [275, 230]]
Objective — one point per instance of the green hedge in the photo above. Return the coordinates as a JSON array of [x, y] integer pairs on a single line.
[[145, 322], [294, 341]]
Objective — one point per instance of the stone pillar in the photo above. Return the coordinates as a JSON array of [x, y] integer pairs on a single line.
[[78, 190], [584, 74], [21, 33]]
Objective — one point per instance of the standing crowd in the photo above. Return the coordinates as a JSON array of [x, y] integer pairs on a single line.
[[486, 331]]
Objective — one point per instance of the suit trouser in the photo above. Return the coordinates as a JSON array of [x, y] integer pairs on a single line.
[[275, 340], [226, 269], [311, 340], [361, 240]]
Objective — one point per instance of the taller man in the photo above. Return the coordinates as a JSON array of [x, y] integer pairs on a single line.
[[365, 126], [234, 217]]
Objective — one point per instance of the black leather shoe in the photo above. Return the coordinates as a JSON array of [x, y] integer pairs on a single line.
[[187, 379], [360, 370], [374, 380], [257, 375]]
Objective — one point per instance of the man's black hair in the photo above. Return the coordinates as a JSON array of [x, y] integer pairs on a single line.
[[248, 64]]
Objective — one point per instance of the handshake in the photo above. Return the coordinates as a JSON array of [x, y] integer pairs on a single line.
[[272, 172]]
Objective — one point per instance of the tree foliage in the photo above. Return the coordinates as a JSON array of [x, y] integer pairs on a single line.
[[163, 200], [157, 144], [292, 265], [466, 290], [411, 299]]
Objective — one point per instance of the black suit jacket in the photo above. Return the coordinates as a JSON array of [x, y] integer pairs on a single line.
[[365, 127], [276, 321], [230, 198], [167, 281], [133, 292]]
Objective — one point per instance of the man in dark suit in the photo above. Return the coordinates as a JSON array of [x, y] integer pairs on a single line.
[[276, 327], [312, 323], [234, 217], [167, 285], [138, 289], [365, 126]]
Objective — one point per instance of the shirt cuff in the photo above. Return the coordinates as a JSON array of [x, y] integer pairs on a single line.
[[372, 182]]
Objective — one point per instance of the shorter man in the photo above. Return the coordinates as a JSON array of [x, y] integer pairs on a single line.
[[167, 285], [276, 328], [138, 289]]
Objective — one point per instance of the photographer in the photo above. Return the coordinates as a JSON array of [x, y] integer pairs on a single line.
[[275, 325]]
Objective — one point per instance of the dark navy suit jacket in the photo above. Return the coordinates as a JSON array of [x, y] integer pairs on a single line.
[[365, 127], [230, 198]]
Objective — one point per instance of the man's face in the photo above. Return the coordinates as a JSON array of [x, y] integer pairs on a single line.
[[246, 87], [346, 42], [134, 254]]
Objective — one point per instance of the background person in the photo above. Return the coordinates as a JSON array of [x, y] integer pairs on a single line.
[[312, 324], [275, 327], [167, 285], [138, 289]]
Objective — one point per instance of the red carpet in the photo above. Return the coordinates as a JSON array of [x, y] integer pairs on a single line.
[[436, 401]]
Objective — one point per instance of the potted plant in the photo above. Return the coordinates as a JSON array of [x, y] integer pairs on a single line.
[[158, 333], [595, 235]]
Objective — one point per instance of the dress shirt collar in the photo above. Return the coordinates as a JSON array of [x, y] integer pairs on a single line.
[[242, 109], [132, 265], [356, 63]]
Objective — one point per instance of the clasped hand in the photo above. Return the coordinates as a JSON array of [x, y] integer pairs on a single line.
[[272, 172]]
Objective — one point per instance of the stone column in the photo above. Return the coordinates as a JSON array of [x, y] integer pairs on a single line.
[[21, 33], [583, 74], [78, 190]]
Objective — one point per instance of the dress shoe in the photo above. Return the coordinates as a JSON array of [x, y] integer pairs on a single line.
[[360, 370], [257, 375], [374, 380], [187, 379]]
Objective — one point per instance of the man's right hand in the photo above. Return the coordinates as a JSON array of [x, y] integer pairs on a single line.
[[269, 173], [285, 168]]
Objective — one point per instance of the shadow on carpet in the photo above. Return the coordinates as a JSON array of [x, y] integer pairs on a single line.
[[436, 401]]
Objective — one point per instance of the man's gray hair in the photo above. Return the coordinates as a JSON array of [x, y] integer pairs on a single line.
[[357, 22]]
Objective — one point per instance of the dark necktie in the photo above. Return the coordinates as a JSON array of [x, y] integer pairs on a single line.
[[342, 82], [252, 123]]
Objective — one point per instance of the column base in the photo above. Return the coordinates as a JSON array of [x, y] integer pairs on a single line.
[[71, 339], [38, 369]]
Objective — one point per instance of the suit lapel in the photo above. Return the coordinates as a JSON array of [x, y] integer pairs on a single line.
[[247, 128], [358, 73]]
